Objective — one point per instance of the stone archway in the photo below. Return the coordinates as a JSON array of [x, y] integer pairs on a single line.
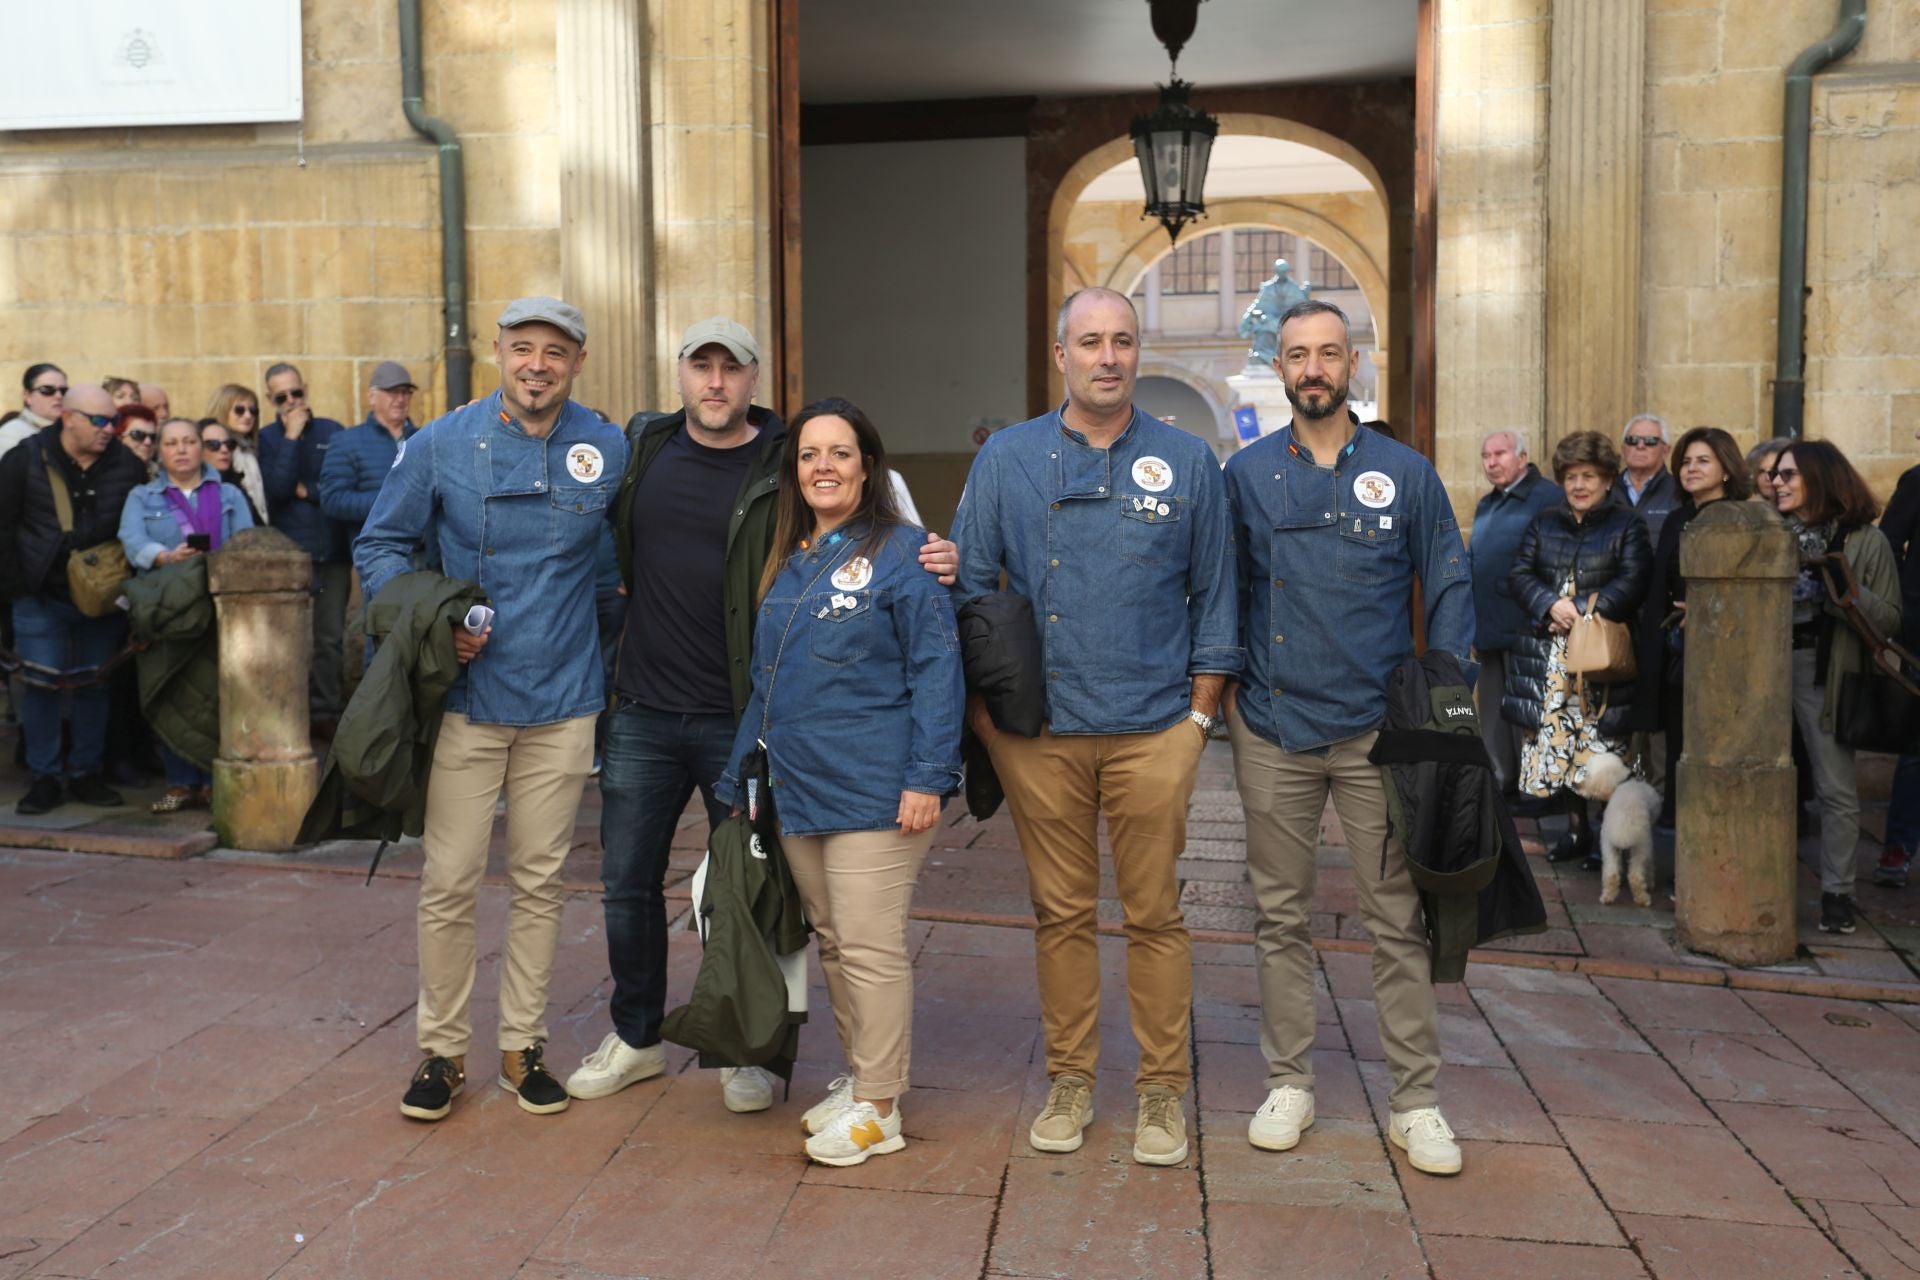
[[1276, 212]]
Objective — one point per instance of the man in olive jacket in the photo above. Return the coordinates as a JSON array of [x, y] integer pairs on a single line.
[[693, 520]]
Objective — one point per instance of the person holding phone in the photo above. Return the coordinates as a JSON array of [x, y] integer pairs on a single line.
[[857, 696], [181, 513]]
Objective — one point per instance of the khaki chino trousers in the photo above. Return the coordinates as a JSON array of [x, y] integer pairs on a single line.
[[1284, 794], [1058, 787], [543, 770]]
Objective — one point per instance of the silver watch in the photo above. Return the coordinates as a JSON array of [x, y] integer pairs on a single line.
[[1206, 722]]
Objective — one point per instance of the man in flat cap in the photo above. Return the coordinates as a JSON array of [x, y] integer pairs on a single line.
[[361, 456], [513, 489]]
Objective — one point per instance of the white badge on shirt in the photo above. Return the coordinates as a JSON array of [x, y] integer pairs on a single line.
[[1373, 489], [854, 574], [584, 463], [1152, 474]]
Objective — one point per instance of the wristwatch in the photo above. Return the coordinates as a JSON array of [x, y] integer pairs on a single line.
[[1206, 722]]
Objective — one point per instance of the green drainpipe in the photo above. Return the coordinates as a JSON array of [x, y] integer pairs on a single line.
[[1790, 382], [453, 206]]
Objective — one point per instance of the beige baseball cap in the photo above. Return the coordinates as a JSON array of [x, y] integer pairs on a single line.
[[728, 333]]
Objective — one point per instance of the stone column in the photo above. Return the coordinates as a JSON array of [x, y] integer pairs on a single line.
[[709, 108], [603, 199], [1595, 122], [265, 775], [1735, 852], [1229, 314]]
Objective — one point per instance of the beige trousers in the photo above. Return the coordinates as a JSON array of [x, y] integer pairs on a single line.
[[543, 769], [857, 887], [1284, 794], [1058, 787]]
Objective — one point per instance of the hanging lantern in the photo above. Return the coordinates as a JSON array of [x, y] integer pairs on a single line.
[[1173, 145]]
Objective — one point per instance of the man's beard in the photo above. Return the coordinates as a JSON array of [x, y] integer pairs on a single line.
[[1336, 400]]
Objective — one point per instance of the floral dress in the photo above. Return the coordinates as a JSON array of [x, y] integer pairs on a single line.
[[1569, 737]]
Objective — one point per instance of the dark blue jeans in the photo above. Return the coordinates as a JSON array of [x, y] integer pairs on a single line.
[[55, 634], [653, 761]]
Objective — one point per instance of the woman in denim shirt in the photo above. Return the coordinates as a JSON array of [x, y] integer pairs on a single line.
[[858, 695], [186, 500]]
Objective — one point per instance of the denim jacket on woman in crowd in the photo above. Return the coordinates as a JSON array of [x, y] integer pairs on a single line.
[[1328, 556], [148, 524], [857, 686], [520, 515], [1126, 555]]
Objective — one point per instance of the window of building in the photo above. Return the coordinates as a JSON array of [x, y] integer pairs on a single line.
[[1193, 267], [1326, 272], [1253, 255]]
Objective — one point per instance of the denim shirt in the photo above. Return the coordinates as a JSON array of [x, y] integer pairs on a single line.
[[1327, 561], [1126, 555], [521, 517], [148, 525], [857, 686]]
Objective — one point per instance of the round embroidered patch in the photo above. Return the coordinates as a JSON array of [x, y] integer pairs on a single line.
[[584, 463], [1373, 489], [1152, 474]]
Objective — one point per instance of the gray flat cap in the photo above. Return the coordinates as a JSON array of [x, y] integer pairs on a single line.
[[563, 316]]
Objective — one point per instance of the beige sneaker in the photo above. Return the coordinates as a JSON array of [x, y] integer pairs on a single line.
[[1427, 1140], [1160, 1134], [1069, 1110]]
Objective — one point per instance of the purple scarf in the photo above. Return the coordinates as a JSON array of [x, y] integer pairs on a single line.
[[203, 516]]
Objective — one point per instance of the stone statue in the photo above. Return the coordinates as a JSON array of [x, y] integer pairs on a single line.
[[1261, 323]]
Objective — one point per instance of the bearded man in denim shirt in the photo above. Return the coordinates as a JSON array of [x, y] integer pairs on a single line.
[[1114, 525], [1333, 523]]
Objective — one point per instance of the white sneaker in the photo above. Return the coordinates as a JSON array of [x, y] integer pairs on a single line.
[[1427, 1140], [615, 1065], [855, 1132], [839, 1096], [746, 1088], [1281, 1119]]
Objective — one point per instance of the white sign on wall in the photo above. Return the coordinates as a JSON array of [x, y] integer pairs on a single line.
[[98, 63]]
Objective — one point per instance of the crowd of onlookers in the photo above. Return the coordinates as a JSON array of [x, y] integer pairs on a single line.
[[1603, 537], [89, 472]]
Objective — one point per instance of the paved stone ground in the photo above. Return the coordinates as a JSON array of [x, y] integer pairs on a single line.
[[208, 1056]]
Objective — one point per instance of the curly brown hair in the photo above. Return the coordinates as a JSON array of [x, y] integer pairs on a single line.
[[1586, 448]]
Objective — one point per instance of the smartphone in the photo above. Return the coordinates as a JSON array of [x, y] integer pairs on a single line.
[[200, 541]]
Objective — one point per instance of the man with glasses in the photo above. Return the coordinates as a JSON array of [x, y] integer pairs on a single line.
[[293, 452], [1644, 478], [358, 463], [80, 456]]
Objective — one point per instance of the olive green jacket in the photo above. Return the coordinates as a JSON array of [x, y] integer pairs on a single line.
[[170, 611], [374, 785], [749, 529], [1871, 556]]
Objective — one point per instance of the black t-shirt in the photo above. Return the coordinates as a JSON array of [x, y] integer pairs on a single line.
[[673, 656]]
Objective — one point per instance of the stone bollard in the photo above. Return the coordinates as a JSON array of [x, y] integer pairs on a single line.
[[265, 775], [1735, 851]]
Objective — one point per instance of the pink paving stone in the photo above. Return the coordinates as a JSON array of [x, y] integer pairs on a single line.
[[1829, 1155], [1884, 1240], [1567, 1022], [1230, 1077], [1751, 1068], [1487, 1104], [252, 1066], [1691, 1249], [1467, 1258], [1338, 1162], [493, 1136], [1499, 977], [1466, 1039], [1682, 1170], [1829, 1030], [422, 1220], [960, 1052], [338, 1127], [833, 1232], [1510, 1190], [1103, 1220], [66, 1172], [1606, 1082], [1324, 1242]]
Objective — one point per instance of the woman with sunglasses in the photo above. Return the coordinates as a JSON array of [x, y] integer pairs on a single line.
[[1831, 511], [238, 410], [181, 513], [217, 447], [45, 399], [139, 429]]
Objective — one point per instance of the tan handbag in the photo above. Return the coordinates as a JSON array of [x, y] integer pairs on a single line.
[[94, 574], [1600, 648]]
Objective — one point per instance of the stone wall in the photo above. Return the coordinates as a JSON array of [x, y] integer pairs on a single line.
[[193, 256], [1710, 225]]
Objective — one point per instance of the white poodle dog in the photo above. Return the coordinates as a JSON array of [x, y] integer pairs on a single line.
[[1627, 827]]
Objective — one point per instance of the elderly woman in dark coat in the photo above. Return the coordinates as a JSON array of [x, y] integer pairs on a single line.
[[1590, 548]]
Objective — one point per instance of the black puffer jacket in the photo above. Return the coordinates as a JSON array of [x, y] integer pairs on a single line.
[[1608, 553]]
